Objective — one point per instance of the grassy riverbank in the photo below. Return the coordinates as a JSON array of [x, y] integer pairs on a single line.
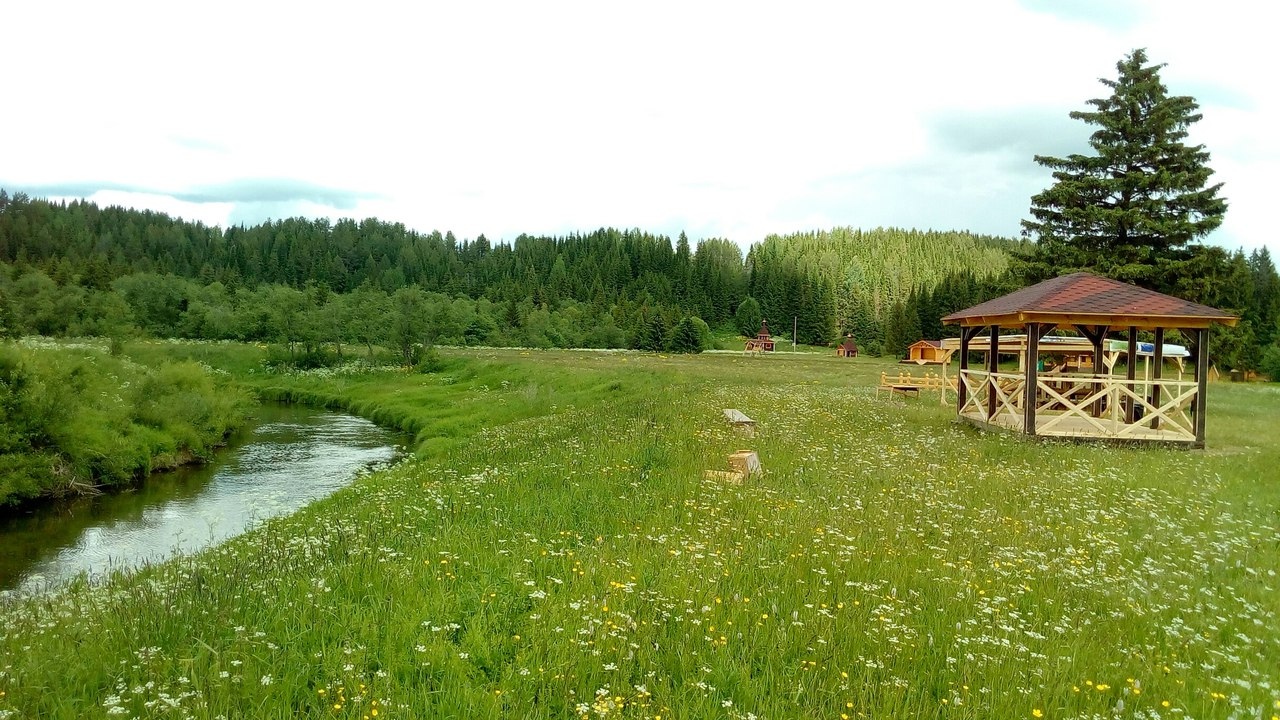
[[73, 418], [554, 551]]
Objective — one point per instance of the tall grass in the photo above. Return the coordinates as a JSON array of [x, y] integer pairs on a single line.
[[553, 550]]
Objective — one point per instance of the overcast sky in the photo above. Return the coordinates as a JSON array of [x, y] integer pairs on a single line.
[[726, 120]]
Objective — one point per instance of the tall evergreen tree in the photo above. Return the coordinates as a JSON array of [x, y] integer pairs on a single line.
[[747, 317], [1144, 193], [653, 336], [1265, 308], [686, 338], [895, 331]]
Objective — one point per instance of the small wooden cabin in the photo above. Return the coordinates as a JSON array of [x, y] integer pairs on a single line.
[[927, 352], [848, 348]]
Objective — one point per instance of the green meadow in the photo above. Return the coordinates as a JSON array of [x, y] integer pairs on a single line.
[[553, 550]]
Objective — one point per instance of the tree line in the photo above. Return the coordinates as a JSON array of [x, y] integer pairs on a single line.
[[75, 268]]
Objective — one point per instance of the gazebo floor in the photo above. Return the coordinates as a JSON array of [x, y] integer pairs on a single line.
[[1078, 428]]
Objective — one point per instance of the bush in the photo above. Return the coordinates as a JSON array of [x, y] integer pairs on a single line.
[[686, 337], [706, 340], [428, 360], [69, 417], [1270, 364]]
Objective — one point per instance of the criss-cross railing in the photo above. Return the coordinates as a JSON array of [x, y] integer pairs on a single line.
[[1085, 406], [978, 384]]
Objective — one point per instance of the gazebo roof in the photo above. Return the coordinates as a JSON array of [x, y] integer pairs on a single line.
[[1087, 299]]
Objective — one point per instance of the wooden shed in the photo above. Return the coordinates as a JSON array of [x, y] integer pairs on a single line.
[[927, 352], [848, 348], [1094, 405]]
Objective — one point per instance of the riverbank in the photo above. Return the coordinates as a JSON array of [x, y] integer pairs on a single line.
[[76, 420], [283, 457], [561, 554]]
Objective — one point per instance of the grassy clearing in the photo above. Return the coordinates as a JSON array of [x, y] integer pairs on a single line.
[[553, 551]]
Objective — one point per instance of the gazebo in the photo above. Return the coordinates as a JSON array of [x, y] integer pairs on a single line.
[[1096, 405]]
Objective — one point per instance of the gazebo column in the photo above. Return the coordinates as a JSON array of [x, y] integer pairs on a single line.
[[1131, 372], [1157, 364], [1201, 352], [1029, 384], [967, 334], [1095, 334], [993, 366], [1035, 331]]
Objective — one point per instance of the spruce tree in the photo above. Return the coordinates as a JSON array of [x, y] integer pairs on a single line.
[[686, 338], [1141, 197], [654, 335], [747, 318]]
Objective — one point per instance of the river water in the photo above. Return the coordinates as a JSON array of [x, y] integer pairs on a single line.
[[287, 457]]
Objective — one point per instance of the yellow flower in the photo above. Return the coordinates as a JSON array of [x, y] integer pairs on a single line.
[[1037, 713]]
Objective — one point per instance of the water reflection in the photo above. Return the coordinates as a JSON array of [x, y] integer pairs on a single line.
[[289, 458]]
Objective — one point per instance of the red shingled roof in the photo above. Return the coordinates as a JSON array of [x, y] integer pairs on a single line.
[[1089, 297]]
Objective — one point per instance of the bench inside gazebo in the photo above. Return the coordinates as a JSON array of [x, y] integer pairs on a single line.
[[1096, 405]]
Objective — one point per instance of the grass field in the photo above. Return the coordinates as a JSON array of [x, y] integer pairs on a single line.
[[553, 550]]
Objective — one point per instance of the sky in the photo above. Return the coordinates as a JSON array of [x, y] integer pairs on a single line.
[[720, 119]]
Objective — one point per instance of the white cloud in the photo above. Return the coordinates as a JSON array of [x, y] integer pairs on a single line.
[[725, 119]]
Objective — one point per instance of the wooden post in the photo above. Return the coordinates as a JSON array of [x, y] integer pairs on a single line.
[[1157, 364], [962, 393], [993, 366], [1095, 334], [942, 393], [1202, 381], [1029, 389], [1131, 372]]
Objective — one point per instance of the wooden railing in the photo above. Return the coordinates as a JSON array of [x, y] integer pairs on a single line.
[[1085, 405], [978, 384]]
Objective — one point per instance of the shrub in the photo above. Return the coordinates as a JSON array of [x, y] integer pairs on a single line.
[[68, 417], [1270, 364], [428, 360], [686, 338]]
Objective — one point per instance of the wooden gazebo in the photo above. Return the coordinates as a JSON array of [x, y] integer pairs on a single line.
[[1095, 405]]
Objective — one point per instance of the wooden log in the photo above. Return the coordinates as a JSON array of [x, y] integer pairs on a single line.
[[729, 476], [746, 462]]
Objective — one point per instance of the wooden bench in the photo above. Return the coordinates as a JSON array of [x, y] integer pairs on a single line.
[[905, 384], [904, 390], [740, 421]]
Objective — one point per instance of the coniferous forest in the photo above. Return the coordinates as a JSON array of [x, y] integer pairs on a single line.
[[322, 290]]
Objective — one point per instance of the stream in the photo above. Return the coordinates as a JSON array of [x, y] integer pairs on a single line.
[[284, 458]]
